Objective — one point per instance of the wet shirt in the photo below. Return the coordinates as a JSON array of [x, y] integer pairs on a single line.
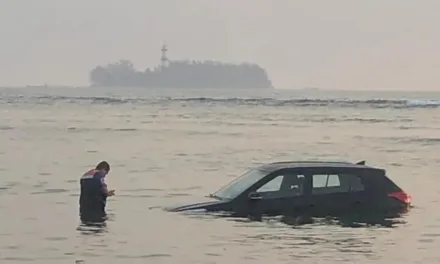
[[92, 199]]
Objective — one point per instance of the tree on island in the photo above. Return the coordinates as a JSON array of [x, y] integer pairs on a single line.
[[182, 74]]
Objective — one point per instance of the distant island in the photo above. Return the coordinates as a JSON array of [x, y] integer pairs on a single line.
[[182, 74]]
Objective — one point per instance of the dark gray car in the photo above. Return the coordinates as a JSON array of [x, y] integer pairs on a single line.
[[311, 188]]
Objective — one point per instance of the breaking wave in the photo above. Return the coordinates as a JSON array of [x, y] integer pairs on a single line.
[[207, 101]]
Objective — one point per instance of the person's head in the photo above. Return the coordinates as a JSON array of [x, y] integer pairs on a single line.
[[103, 166]]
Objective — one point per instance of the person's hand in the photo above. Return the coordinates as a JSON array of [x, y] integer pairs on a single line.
[[111, 192]]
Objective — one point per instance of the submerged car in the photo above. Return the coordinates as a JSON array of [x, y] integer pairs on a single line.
[[311, 188]]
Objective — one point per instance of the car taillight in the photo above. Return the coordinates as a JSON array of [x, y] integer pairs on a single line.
[[401, 196]]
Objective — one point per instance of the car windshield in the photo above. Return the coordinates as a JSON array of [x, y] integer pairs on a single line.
[[239, 185]]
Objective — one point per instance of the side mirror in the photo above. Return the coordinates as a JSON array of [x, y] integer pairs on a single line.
[[255, 196]]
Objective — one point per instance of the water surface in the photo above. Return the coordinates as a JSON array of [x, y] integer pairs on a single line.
[[174, 147]]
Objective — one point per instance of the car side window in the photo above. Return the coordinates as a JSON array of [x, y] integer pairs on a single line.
[[273, 185], [336, 183], [283, 185], [354, 182], [333, 180], [320, 180]]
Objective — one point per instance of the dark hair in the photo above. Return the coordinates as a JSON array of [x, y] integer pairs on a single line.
[[103, 165]]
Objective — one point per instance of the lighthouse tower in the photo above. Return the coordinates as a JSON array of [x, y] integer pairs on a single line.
[[164, 59]]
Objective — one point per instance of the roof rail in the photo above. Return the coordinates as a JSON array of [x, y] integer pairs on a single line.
[[310, 161]]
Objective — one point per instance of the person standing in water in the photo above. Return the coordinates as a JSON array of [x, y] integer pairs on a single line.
[[94, 193]]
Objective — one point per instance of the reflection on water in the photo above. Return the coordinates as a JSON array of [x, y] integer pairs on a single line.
[[92, 228], [87, 228], [353, 221]]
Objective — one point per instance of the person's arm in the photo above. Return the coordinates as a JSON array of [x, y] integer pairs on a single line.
[[105, 190]]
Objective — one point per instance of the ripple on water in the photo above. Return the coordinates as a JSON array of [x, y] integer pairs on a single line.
[[143, 190], [56, 238], [6, 127], [194, 187], [51, 191], [40, 184], [172, 195], [122, 129], [147, 256], [136, 195], [23, 259], [83, 129], [8, 187], [424, 141]]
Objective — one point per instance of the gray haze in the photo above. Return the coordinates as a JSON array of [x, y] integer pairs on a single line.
[[352, 44]]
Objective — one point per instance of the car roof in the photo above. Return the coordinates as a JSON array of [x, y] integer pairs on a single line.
[[314, 164]]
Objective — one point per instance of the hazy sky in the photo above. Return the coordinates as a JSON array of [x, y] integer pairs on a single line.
[[351, 44]]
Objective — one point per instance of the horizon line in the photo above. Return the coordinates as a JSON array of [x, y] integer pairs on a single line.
[[312, 89]]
